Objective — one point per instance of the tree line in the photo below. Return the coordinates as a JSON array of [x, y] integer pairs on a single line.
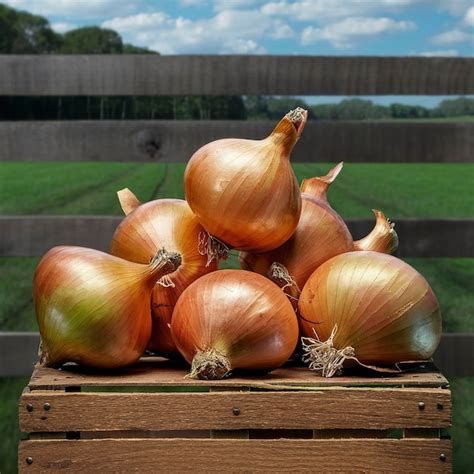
[[25, 33]]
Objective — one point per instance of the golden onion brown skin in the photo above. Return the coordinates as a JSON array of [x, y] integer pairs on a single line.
[[244, 192], [93, 308], [168, 223], [320, 235], [382, 307], [239, 314]]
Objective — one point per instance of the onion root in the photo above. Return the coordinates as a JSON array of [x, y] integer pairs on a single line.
[[210, 365], [323, 357], [212, 247]]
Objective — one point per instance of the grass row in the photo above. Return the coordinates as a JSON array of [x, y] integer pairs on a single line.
[[400, 190]]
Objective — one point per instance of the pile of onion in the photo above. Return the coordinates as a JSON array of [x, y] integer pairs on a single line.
[[94, 308], [352, 301], [320, 235], [244, 192], [167, 223], [367, 308], [233, 319]]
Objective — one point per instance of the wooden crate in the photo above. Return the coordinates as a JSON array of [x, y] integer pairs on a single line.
[[149, 418]]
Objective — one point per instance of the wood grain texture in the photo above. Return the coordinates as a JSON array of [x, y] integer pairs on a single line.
[[25, 236], [228, 75], [363, 408], [176, 141], [156, 372], [218, 455]]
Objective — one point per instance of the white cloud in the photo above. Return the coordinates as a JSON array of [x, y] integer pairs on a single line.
[[134, 22], [74, 8], [440, 52], [453, 36], [228, 31], [454, 7], [62, 27], [469, 16], [317, 10], [344, 33]]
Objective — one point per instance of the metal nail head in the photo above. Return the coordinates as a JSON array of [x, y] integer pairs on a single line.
[[421, 405], [29, 460], [46, 406], [29, 407], [236, 411], [442, 457]]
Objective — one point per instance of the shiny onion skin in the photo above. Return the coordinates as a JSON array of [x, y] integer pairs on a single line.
[[233, 319], [382, 238], [167, 223], [367, 307], [320, 235], [93, 308], [244, 192]]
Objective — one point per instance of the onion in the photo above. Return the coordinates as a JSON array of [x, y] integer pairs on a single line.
[[320, 235], [368, 308], [167, 223], [233, 319], [244, 192], [94, 308]]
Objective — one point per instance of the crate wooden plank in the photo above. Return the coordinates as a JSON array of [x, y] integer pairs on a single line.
[[57, 75], [158, 372], [218, 455], [24, 236], [363, 408], [152, 141]]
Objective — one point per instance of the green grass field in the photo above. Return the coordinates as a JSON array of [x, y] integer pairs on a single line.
[[400, 190]]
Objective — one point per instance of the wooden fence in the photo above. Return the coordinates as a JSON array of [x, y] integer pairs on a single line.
[[149, 141]]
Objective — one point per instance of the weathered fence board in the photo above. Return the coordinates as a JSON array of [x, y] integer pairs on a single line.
[[24, 236], [19, 352], [58, 75], [176, 141]]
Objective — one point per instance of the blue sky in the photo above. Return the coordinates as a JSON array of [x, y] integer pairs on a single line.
[[314, 27]]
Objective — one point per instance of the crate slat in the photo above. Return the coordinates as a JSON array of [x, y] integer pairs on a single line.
[[218, 455], [24, 236], [156, 372], [363, 408], [152, 141], [228, 75]]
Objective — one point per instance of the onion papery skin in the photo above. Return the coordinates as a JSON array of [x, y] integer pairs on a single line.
[[382, 238], [240, 315], [171, 224], [320, 235], [93, 308], [380, 306], [244, 192]]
